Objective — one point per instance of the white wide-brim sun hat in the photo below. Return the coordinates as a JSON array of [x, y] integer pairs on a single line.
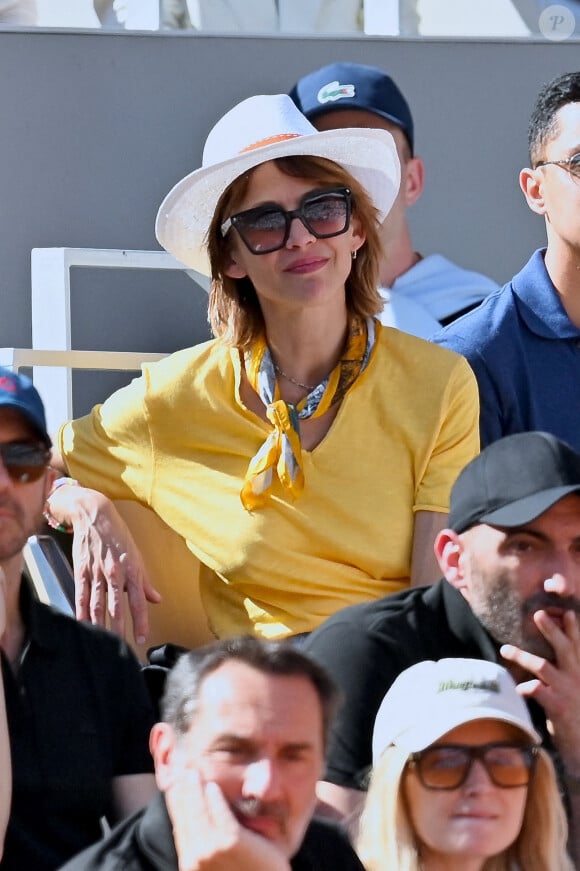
[[259, 129]]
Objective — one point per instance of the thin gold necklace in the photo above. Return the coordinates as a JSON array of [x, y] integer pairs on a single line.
[[309, 387]]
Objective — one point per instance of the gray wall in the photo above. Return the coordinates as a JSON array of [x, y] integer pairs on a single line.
[[97, 127]]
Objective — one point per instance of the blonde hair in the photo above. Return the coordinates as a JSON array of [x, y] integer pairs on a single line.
[[387, 839], [234, 311]]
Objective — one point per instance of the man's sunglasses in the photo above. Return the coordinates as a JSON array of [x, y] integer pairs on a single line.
[[24, 461], [447, 766], [267, 228]]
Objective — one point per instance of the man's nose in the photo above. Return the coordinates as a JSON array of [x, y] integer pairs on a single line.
[[262, 779], [565, 578]]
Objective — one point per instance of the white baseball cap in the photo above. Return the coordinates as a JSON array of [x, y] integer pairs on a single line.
[[430, 698], [259, 129]]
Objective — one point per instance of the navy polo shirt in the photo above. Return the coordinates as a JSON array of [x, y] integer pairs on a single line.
[[79, 715], [525, 352]]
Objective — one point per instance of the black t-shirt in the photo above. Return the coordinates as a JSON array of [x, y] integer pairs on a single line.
[[79, 715], [365, 647], [145, 843]]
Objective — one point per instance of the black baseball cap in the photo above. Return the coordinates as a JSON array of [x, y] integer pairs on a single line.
[[353, 86], [513, 481], [18, 392]]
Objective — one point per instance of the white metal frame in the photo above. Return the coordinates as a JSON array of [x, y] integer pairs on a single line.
[[53, 371], [52, 356]]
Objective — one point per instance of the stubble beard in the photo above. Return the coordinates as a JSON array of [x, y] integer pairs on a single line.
[[15, 531], [508, 618]]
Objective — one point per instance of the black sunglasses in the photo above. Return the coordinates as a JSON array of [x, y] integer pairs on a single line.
[[447, 766], [25, 462], [267, 228]]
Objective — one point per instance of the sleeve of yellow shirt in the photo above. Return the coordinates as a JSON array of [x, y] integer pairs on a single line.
[[110, 448], [455, 441]]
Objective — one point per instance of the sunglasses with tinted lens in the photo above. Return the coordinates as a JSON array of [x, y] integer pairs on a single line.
[[447, 766], [267, 228], [24, 461]]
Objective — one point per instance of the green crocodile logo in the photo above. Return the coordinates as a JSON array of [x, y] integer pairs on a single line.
[[334, 91]]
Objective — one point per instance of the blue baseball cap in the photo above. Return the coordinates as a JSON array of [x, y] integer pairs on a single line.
[[18, 392], [353, 86]]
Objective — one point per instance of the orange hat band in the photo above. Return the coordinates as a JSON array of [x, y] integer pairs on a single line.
[[270, 141]]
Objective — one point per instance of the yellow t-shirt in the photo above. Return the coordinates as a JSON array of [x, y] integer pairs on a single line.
[[179, 440]]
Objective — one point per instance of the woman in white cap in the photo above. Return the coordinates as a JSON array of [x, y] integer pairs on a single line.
[[460, 781], [305, 454]]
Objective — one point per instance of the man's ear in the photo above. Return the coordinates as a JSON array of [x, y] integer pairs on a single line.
[[449, 551], [414, 180], [532, 189], [162, 749]]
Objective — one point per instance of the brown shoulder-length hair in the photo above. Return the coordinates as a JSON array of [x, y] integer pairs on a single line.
[[234, 313]]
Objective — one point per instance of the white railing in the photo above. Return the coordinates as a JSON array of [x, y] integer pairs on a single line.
[[53, 373], [52, 356]]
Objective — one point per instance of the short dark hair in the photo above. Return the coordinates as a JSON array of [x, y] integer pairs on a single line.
[[543, 124], [183, 685]]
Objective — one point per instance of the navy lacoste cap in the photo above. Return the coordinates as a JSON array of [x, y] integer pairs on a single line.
[[353, 86]]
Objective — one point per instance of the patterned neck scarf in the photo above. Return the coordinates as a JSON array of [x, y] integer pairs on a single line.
[[281, 453]]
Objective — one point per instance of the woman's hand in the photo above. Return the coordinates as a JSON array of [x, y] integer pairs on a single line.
[[107, 563]]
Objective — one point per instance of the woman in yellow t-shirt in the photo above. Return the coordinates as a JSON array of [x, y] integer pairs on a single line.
[[305, 454]]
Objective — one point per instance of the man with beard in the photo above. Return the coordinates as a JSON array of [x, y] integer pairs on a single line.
[[510, 594], [237, 757], [77, 707]]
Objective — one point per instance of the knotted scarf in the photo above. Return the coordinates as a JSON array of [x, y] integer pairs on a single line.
[[282, 450]]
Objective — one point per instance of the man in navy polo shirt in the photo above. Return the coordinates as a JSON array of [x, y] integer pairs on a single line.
[[523, 342]]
